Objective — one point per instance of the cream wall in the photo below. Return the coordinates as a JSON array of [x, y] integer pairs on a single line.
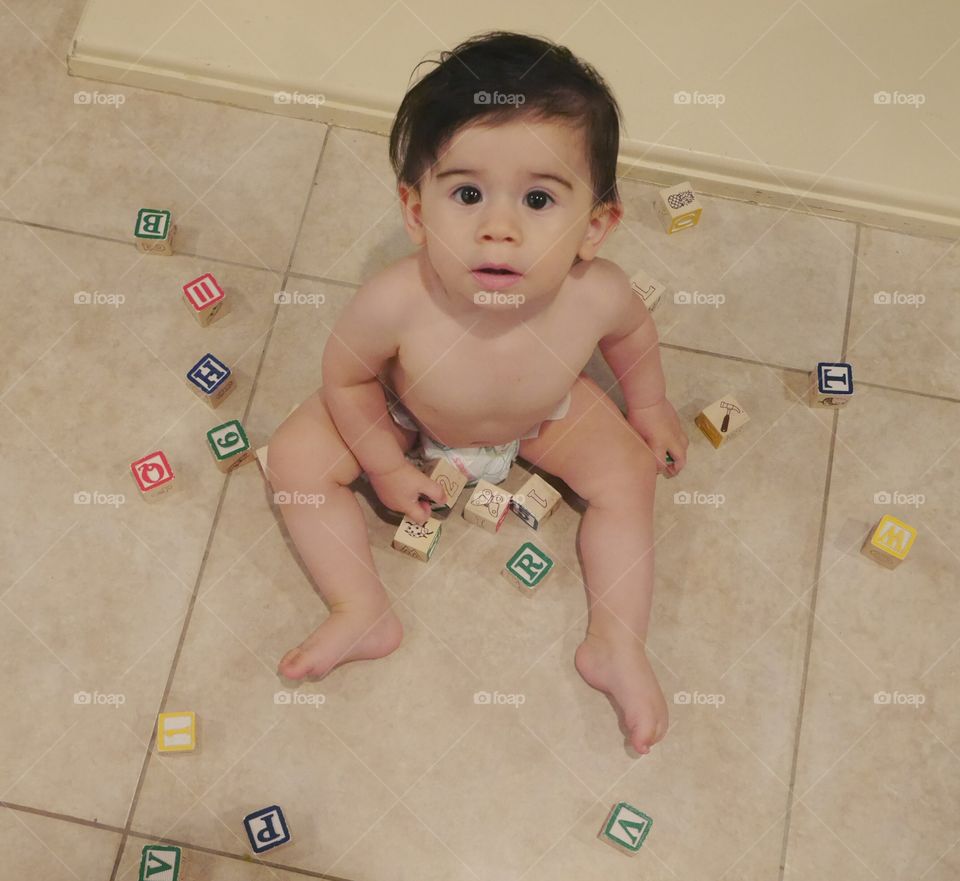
[[796, 81]]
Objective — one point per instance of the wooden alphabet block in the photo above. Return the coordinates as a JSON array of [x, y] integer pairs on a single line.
[[528, 568], [721, 420], [677, 207], [266, 829], [177, 732], [205, 299], [889, 542], [451, 478], [211, 380], [415, 540], [159, 862], [535, 501], [831, 384], [625, 828], [229, 445], [487, 507], [648, 289], [153, 475], [154, 232]]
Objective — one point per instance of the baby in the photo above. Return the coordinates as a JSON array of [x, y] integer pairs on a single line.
[[473, 348]]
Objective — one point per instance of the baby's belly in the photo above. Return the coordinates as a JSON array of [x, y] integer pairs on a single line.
[[467, 429]]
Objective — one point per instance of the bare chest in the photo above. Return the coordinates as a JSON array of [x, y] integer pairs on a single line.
[[470, 387]]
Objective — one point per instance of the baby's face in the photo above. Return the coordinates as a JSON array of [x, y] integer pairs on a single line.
[[517, 194]]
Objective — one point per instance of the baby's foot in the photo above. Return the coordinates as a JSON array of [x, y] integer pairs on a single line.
[[348, 634], [621, 670]]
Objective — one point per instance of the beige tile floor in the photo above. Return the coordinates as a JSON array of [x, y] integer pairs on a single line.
[[761, 599]]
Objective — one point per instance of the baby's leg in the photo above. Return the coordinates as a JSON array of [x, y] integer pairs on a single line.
[[602, 458], [307, 459]]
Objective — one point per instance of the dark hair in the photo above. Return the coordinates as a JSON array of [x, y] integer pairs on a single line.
[[555, 85]]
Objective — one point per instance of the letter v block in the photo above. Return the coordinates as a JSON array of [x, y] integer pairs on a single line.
[[266, 829], [160, 863], [625, 828]]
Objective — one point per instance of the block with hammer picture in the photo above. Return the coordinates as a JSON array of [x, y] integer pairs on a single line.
[[721, 420]]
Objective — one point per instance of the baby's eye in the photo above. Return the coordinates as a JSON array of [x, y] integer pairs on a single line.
[[535, 199], [467, 188]]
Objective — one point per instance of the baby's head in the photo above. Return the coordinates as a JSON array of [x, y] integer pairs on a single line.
[[506, 153]]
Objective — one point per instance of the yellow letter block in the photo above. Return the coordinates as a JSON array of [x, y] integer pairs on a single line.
[[889, 542], [176, 732]]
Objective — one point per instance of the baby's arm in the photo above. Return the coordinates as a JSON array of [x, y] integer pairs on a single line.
[[363, 339], [631, 347]]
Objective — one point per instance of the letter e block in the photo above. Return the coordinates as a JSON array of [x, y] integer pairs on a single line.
[[176, 732], [205, 299]]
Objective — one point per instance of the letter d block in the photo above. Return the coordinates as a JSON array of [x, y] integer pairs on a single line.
[[535, 501], [487, 507], [677, 207], [417, 541], [205, 299], [889, 542], [229, 445], [625, 828], [153, 475], [211, 380], [159, 863], [154, 232], [177, 732], [266, 829], [528, 568]]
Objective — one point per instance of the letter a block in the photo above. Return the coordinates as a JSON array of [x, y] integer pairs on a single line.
[[211, 380], [229, 445], [677, 207], [266, 829], [159, 863], [889, 542], [721, 420], [831, 384], [154, 232], [177, 732], [648, 289], [625, 828], [205, 299], [153, 475], [417, 541], [487, 507], [535, 501], [528, 568]]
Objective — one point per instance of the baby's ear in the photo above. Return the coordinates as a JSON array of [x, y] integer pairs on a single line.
[[410, 207]]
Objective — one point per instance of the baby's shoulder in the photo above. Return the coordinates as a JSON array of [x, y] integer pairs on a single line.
[[606, 287]]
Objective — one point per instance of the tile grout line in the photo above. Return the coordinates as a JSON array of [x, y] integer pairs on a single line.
[[212, 534], [814, 593]]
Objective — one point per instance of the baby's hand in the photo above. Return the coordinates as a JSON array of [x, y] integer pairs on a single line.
[[660, 427], [401, 488]]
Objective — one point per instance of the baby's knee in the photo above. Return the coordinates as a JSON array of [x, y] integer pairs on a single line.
[[304, 455]]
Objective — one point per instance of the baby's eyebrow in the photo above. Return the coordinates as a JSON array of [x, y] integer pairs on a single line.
[[536, 174]]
